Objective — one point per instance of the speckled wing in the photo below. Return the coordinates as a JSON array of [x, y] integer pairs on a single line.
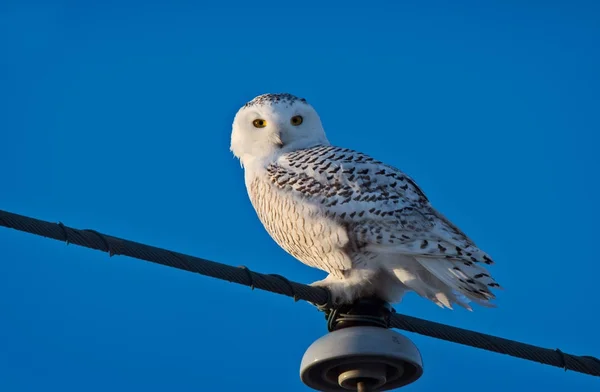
[[382, 208]]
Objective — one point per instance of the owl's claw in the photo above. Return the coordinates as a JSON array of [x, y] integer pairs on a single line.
[[339, 292]]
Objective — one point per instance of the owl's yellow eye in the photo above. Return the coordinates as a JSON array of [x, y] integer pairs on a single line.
[[296, 120], [259, 123]]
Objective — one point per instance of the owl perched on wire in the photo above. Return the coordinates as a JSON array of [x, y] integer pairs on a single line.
[[365, 223]]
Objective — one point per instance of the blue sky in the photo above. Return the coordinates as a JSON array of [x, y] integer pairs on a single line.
[[117, 116]]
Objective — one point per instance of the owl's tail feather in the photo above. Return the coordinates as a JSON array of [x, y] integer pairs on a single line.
[[471, 280], [429, 286]]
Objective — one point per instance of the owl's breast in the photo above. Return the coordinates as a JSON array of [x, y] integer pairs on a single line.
[[299, 227]]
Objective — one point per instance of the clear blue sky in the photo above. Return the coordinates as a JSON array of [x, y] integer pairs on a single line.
[[117, 117]]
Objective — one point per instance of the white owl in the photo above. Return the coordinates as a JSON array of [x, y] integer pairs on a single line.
[[367, 224]]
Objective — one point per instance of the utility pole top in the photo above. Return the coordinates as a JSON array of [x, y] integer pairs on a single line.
[[360, 353]]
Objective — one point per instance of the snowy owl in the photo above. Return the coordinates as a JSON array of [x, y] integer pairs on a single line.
[[365, 223]]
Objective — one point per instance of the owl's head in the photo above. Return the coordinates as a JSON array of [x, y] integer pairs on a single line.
[[274, 123]]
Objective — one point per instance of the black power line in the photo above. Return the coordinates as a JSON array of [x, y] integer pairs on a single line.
[[280, 285]]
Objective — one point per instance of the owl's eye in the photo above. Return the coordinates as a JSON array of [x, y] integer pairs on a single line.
[[296, 120], [259, 123]]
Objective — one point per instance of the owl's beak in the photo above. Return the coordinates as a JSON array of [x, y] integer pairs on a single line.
[[276, 138]]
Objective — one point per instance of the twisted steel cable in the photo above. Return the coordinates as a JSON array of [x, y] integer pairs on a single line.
[[280, 285]]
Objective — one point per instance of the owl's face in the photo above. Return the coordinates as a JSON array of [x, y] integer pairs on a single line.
[[274, 123]]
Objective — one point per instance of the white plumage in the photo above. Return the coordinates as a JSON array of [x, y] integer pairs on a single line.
[[365, 223]]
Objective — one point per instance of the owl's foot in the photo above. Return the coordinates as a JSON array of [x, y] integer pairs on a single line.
[[341, 292]]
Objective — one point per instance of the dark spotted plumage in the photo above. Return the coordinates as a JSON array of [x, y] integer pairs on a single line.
[[272, 99], [379, 206]]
